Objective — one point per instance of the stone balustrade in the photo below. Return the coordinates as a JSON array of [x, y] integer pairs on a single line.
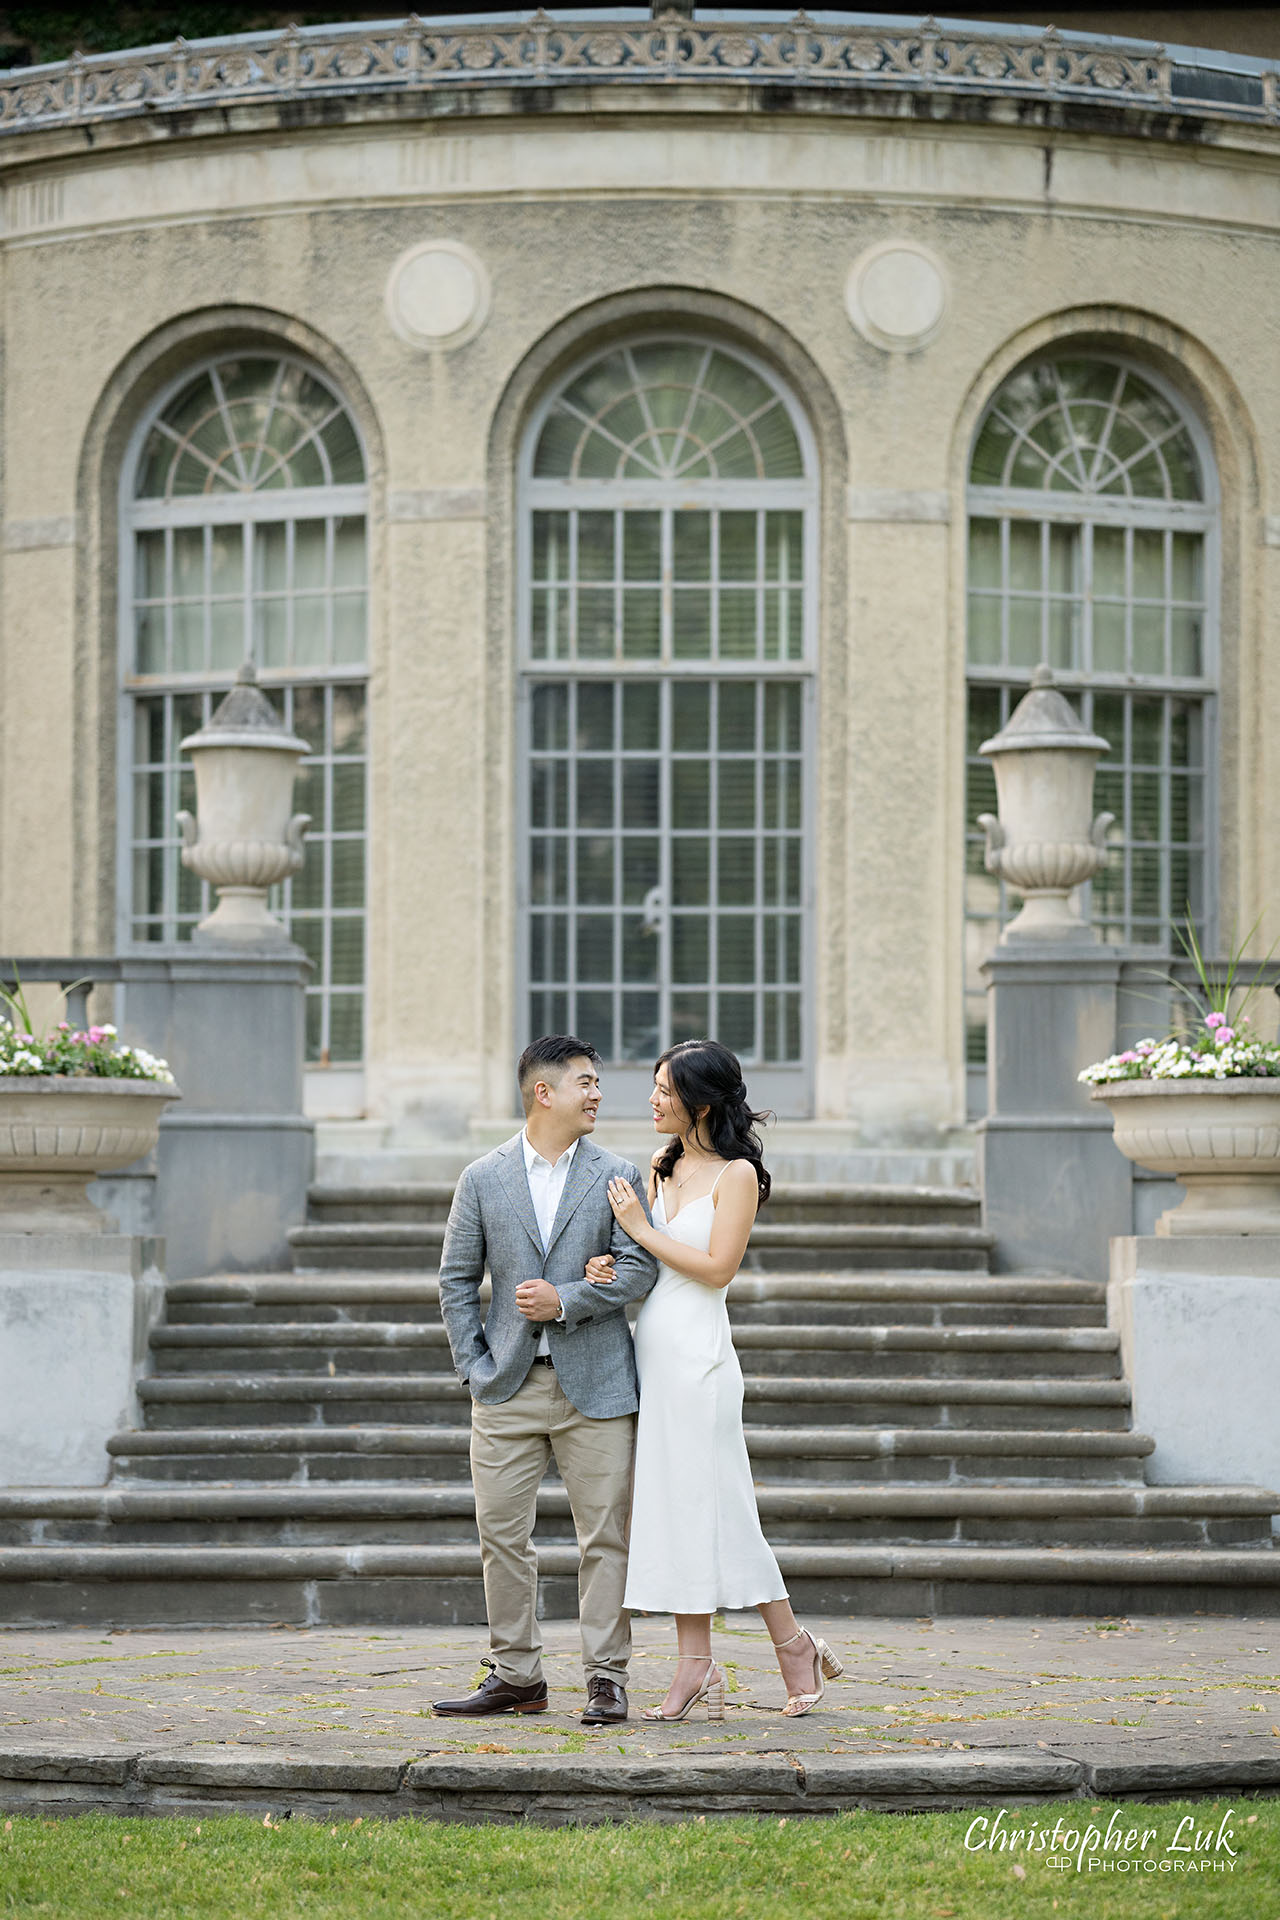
[[798, 54]]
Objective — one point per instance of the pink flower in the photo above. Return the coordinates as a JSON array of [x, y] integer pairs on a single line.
[[96, 1036], [1215, 1020], [1222, 1036], [1127, 1059]]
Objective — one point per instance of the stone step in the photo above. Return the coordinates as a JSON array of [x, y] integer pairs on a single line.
[[926, 1299], [838, 1455], [179, 1400], [766, 1346], [791, 1203], [314, 1585], [381, 1245], [389, 1515]]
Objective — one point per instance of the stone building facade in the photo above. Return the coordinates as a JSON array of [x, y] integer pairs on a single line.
[[644, 460]]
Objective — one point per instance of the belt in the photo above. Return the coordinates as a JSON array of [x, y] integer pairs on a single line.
[[543, 1360]]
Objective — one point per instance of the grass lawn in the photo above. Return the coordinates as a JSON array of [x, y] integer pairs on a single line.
[[854, 1867]]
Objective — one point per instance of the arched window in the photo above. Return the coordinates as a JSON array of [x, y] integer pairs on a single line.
[[1092, 519], [666, 642], [244, 538]]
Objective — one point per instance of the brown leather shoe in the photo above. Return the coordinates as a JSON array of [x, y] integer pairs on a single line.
[[495, 1695], [606, 1703]]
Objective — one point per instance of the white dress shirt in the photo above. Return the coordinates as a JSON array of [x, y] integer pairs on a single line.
[[546, 1188]]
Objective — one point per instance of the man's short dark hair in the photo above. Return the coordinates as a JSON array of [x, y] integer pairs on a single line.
[[546, 1059]]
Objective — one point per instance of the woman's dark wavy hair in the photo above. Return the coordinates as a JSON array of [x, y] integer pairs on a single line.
[[705, 1074]]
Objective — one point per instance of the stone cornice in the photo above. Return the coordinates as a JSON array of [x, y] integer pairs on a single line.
[[853, 64]]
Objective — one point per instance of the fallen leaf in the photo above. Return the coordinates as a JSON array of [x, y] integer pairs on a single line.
[[1019, 1873]]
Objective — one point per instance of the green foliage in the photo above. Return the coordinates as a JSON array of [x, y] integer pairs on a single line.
[[856, 1866], [54, 33]]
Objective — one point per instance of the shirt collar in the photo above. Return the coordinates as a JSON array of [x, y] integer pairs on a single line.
[[532, 1158]]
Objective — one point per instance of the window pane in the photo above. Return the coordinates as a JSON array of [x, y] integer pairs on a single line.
[[736, 718], [691, 624], [150, 640], [640, 716], [691, 717], [642, 546], [640, 793], [738, 546], [595, 546], [738, 624], [595, 718], [550, 713], [692, 545], [641, 624]]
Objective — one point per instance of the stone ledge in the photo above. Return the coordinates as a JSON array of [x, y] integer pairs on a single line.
[[210, 1769], [1184, 1776], [95, 1765], [550, 1789], [1203, 1566]]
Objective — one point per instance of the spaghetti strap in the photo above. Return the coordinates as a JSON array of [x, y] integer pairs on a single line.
[[719, 1177]]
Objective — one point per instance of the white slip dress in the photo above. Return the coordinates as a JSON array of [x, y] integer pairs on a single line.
[[696, 1544]]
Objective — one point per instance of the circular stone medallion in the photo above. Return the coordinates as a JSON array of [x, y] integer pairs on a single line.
[[896, 295], [438, 294]]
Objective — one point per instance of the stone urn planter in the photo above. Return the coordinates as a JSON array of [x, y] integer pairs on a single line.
[[1220, 1138], [58, 1132]]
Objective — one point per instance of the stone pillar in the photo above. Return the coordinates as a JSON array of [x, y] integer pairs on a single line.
[[1199, 1326], [1054, 1187], [76, 1310], [231, 1177]]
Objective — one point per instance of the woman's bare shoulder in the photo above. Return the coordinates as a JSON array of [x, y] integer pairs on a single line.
[[739, 1176]]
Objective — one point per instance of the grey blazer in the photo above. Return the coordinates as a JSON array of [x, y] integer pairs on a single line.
[[492, 1222]]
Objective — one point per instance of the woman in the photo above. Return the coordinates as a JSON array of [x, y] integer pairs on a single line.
[[696, 1544]]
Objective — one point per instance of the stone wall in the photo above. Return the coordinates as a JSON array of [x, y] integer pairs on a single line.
[[712, 208]]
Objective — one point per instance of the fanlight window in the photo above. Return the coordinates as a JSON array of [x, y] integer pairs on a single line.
[[668, 412], [246, 425], [1087, 427], [1091, 528], [667, 644], [244, 537]]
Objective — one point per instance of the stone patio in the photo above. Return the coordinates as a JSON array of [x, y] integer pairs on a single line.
[[337, 1722]]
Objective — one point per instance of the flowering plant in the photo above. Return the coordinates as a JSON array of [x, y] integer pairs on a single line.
[[92, 1053], [1218, 1045], [1216, 1052]]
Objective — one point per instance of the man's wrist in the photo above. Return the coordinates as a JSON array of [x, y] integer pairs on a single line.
[[560, 1304]]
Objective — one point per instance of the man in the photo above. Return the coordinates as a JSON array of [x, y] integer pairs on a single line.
[[551, 1370]]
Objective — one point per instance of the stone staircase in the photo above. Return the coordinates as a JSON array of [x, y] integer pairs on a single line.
[[923, 1442], [399, 1226]]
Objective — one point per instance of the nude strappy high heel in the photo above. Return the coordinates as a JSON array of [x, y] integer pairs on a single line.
[[824, 1662], [711, 1690]]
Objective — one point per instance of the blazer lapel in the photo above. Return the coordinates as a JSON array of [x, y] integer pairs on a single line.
[[585, 1169], [516, 1182]]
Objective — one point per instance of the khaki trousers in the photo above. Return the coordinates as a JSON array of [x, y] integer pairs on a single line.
[[511, 1446]]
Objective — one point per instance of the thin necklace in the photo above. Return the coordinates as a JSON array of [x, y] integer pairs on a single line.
[[702, 1158]]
